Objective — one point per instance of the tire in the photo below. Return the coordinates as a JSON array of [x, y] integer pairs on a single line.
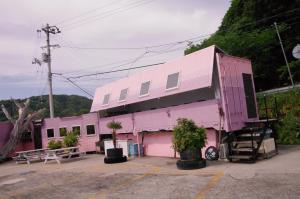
[[190, 164], [112, 160], [117, 152], [211, 153]]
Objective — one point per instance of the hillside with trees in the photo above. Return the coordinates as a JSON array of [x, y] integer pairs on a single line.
[[248, 30], [64, 105]]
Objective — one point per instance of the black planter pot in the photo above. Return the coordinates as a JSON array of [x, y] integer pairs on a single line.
[[190, 159], [115, 156]]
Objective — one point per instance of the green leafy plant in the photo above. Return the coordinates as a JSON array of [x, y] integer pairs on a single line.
[[188, 136], [53, 144], [114, 126], [71, 139]]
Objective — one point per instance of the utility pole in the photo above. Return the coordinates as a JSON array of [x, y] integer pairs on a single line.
[[47, 59], [283, 52]]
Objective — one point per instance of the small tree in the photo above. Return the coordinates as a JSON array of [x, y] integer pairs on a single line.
[[188, 136], [114, 126], [71, 139]]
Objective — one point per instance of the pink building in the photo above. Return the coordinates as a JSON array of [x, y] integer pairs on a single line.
[[208, 86]]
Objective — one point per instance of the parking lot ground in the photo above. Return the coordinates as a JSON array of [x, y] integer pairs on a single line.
[[153, 177]]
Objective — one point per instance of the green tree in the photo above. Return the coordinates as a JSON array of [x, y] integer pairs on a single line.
[[114, 126]]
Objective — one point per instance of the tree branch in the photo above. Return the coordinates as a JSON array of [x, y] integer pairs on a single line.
[[7, 115], [33, 116]]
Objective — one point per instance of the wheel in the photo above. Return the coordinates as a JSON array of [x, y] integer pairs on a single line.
[[211, 153], [190, 164]]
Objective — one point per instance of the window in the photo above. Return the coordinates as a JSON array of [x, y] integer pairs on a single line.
[[90, 129], [76, 130], [50, 133], [106, 99], [145, 88], [62, 132], [123, 94], [172, 81], [26, 136]]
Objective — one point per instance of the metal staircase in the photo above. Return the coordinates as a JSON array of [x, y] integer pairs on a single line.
[[244, 145]]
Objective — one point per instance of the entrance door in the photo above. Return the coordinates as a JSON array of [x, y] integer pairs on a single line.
[[37, 135], [249, 93]]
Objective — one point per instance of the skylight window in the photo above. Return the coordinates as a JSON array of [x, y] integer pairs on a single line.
[[106, 99], [123, 94], [145, 88], [172, 81]]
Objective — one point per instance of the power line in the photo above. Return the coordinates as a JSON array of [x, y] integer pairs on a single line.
[[105, 14], [86, 13], [114, 71], [75, 85]]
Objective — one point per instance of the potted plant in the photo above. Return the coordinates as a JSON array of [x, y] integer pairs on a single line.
[[188, 139], [53, 144], [114, 155]]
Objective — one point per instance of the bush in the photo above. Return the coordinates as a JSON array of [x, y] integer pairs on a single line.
[[188, 136], [289, 128], [55, 144], [71, 139]]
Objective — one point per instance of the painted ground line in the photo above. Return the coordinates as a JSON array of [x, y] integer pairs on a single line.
[[211, 184], [102, 194]]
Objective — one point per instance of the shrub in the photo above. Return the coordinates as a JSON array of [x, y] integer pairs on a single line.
[[71, 139], [55, 144], [188, 136]]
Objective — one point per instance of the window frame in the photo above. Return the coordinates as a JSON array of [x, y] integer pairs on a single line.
[[109, 95], [62, 128], [86, 128], [148, 93], [123, 100], [53, 133], [79, 129], [178, 82]]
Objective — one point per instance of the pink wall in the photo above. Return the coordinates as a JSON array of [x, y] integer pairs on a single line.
[[195, 71], [86, 142], [232, 90], [160, 143]]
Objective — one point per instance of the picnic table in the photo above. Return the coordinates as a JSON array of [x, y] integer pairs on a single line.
[[59, 154], [30, 155]]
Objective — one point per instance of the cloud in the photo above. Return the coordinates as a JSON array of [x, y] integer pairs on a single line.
[[151, 24]]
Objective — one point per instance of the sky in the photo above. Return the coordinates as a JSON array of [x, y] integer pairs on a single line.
[[96, 36]]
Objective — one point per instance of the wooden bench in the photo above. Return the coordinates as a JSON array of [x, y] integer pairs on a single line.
[[63, 153], [30, 155]]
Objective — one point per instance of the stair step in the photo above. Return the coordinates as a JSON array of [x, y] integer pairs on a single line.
[[240, 157], [249, 135], [245, 142], [243, 149]]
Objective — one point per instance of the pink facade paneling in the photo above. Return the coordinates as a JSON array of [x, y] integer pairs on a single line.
[[160, 143], [126, 121], [203, 113], [195, 71], [232, 90], [86, 142]]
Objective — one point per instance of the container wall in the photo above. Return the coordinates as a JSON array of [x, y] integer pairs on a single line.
[[231, 70]]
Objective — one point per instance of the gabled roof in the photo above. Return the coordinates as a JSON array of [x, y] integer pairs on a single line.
[[195, 71]]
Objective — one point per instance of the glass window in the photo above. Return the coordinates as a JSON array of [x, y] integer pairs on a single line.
[[62, 132], [106, 99], [50, 133], [145, 88], [123, 94], [172, 81], [90, 129], [76, 130]]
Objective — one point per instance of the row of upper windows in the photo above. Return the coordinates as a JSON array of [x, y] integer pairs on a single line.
[[172, 82], [90, 130]]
